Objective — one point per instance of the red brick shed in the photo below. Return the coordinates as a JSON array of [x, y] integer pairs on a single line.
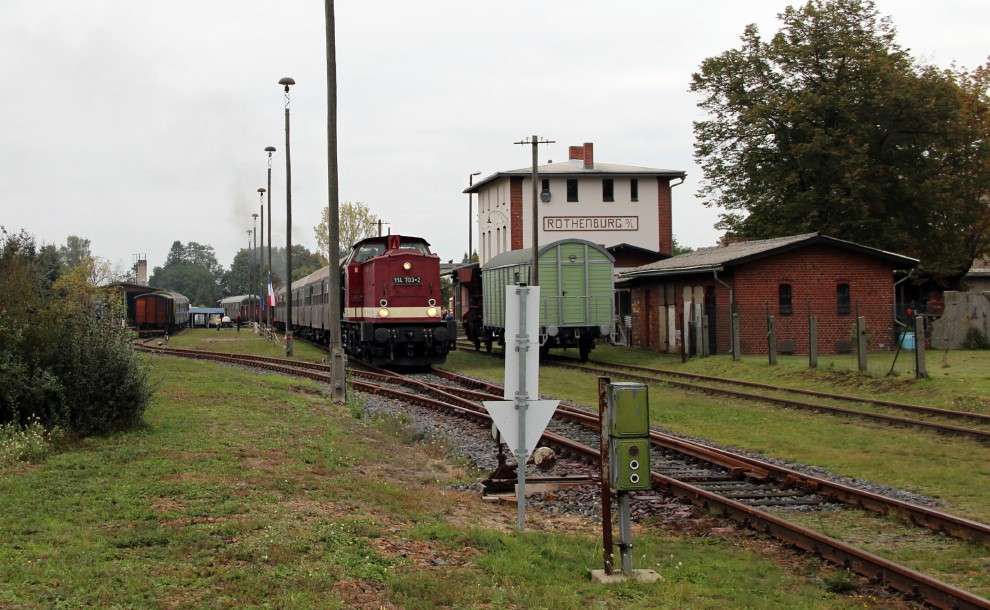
[[788, 277]]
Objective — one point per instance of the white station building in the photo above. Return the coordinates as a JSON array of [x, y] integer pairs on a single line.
[[626, 208]]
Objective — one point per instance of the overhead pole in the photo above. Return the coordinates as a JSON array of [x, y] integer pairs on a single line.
[[470, 251], [535, 141], [338, 387], [261, 259], [270, 150], [287, 82]]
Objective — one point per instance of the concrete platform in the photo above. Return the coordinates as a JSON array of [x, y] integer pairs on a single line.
[[647, 576]]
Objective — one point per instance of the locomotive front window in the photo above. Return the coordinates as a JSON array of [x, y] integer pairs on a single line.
[[415, 244], [368, 251]]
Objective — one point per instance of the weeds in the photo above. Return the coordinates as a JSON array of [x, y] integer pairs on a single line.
[[29, 443]]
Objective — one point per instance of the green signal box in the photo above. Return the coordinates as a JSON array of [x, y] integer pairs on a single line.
[[630, 459], [628, 421]]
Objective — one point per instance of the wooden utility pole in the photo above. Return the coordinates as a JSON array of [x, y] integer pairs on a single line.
[[535, 141], [337, 382]]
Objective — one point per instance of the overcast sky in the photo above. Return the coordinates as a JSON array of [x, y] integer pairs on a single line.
[[138, 123]]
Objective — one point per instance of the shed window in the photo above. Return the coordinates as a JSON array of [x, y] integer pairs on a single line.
[[572, 191], [634, 190], [843, 300], [608, 190], [784, 302]]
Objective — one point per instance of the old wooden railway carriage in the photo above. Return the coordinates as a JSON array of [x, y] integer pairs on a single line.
[[163, 310], [576, 294], [243, 307], [390, 303]]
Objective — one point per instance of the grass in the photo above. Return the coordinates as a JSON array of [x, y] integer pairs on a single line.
[[954, 470], [229, 340], [247, 490], [958, 380]]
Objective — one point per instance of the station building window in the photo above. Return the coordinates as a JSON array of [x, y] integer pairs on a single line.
[[505, 239], [608, 190], [498, 240], [634, 190], [572, 190], [545, 188], [785, 304], [843, 300]]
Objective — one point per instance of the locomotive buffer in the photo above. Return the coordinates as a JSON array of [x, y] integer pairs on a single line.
[[521, 418]]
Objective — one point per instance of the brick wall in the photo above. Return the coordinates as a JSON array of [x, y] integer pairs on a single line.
[[665, 213], [516, 212], [814, 273]]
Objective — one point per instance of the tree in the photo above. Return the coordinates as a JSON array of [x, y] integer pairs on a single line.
[[191, 270], [831, 126], [75, 251], [238, 280], [356, 222], [678, 249]]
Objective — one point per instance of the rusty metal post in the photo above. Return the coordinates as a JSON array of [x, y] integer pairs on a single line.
[[861, 343], [606, 488], [736, 351], [771, 341], [812, 342], [920, 366]]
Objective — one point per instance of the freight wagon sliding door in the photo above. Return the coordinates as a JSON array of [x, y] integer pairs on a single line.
[[573, 284]]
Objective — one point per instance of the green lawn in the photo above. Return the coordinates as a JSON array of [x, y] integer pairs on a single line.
[[246, 490], [243, 342], [958, 380], [955, 470]]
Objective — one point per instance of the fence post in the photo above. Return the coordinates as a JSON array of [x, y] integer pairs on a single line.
[[736, 352], [812, 342], [861, 343], [699, 339], [705, 335], [771, 341], [920, 366]]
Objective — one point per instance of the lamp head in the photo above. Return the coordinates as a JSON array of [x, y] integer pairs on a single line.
[[287, 81], [269, 149], [254, 216], [261, 190]]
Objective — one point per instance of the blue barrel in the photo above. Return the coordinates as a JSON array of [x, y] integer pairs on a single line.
[[907, 340]]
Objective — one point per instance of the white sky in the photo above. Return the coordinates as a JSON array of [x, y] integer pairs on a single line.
[[138, 123]]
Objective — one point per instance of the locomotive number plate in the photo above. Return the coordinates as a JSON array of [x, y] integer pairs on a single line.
[[407, 280]]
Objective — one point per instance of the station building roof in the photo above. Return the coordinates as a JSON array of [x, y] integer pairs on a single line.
[[718, 258], [572, 169]]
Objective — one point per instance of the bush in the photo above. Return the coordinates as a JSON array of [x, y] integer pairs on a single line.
[[975, 339], [65, 359]]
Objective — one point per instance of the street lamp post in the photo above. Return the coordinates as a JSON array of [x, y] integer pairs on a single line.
[[257, 267], [471, 216], [270, 150], [250, 271], [288, 82], [261, 257]]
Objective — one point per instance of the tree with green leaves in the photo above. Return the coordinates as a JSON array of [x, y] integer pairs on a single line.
[[831, 126], [75, 252], [238, 280], [356, 223], [191, 270]]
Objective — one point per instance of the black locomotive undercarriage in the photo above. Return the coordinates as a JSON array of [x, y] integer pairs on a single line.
[[400, 344]]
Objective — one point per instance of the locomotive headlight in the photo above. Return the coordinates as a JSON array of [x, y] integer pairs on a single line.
[[383, 312], [407, 265], [432, 312]]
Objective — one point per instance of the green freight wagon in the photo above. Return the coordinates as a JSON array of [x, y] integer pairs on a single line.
[[576, 293]]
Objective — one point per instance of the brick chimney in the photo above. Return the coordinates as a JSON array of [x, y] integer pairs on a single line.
[[141, 272], [665, 214], [575, 153], [589, 155]]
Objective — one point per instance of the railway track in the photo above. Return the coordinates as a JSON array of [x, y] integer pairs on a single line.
[[735, 486], [729, 388]]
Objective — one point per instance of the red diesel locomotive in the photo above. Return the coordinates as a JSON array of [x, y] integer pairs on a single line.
[[390, 303]]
